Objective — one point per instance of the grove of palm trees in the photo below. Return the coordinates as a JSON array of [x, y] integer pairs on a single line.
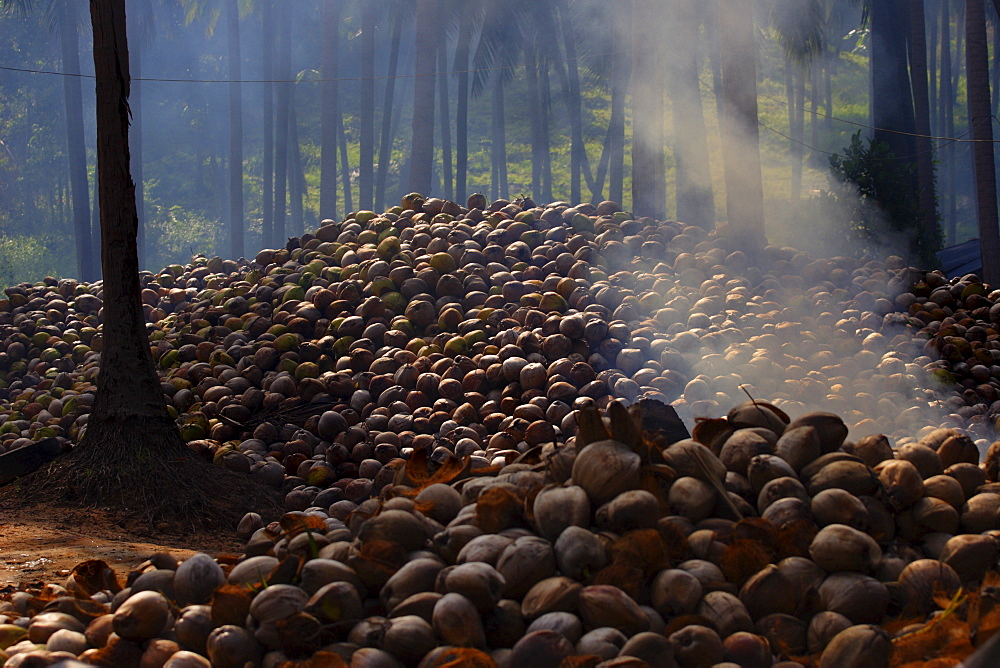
[[485, 333]]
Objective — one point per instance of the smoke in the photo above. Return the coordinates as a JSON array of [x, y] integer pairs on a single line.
[[824, 328]]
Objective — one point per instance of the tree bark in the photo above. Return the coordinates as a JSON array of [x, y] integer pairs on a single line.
[[236, 242], [422, 151], [328, 110], [892, 106], [76, 151], [366, 164], [267, 105], [922, 118], [649, 179], [740, 133], [981, 122], [535, 104], [388, 111], [135, 137], [284, 74]]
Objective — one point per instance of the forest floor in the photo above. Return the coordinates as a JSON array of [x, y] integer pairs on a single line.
[[42, 543]]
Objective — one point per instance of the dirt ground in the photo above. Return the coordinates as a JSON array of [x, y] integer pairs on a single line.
[[42, 544]]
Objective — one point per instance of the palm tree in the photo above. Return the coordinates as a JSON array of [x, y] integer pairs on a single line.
[[235, 130], [366, 166], [740, 132], [922, 119], [648, 164], [422, 151], [267, 107], [695, 199], [283, 102], [981, 122], [386, 137], [329, 109]]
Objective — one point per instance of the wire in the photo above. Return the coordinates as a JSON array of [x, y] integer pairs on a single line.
[[819, 150], [306, 79]]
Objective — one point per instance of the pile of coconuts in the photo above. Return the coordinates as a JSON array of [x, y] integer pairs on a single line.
[[447, 390]]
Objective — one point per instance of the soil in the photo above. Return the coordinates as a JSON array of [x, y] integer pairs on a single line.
[[42, 543]]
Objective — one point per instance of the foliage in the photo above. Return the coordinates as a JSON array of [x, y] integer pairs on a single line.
[[882, 212], [32, 258]]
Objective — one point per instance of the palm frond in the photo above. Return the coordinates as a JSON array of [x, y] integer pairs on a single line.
[[798, 26]]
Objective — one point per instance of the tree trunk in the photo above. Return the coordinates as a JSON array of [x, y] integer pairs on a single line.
[[932, 67], [649, 180], [498, 149], [129, 397], [135, 137], [388, 111], [740, 133], [695, 199], [345, 165], [621, 72], [947, 116], [422, 151], [267, 55], [981, 123], [296, 178], [366, 164], [462, 49], [535, 104], [236, 247], [545, 111], [798, 129], [328, 110], [447, 174], [284, 75], [76, 151], [578, 150], [922, 117]]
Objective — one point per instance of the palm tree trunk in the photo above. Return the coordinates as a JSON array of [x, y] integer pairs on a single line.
[[135, 138], [798, 130], [267, 105], [462, 52], [947, 116], [284, 75], [447, 174], [740, 133], [235, 131], [328, 110], [578, 150], [73, 94], [388, 111], [296, 178], [345, 165], [535, 104], [128, 391], [649, 181], [922, 118], [366, 177], [422, 152], [981, 123], [499, 140], [995, 73], [932, 67], [545, 111], [621, 73], [695, 199]]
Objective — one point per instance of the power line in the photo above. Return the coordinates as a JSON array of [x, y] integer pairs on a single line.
[[303, 79]]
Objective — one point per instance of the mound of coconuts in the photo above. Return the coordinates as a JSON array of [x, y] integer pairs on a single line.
[[762, 541], [434, 377]]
